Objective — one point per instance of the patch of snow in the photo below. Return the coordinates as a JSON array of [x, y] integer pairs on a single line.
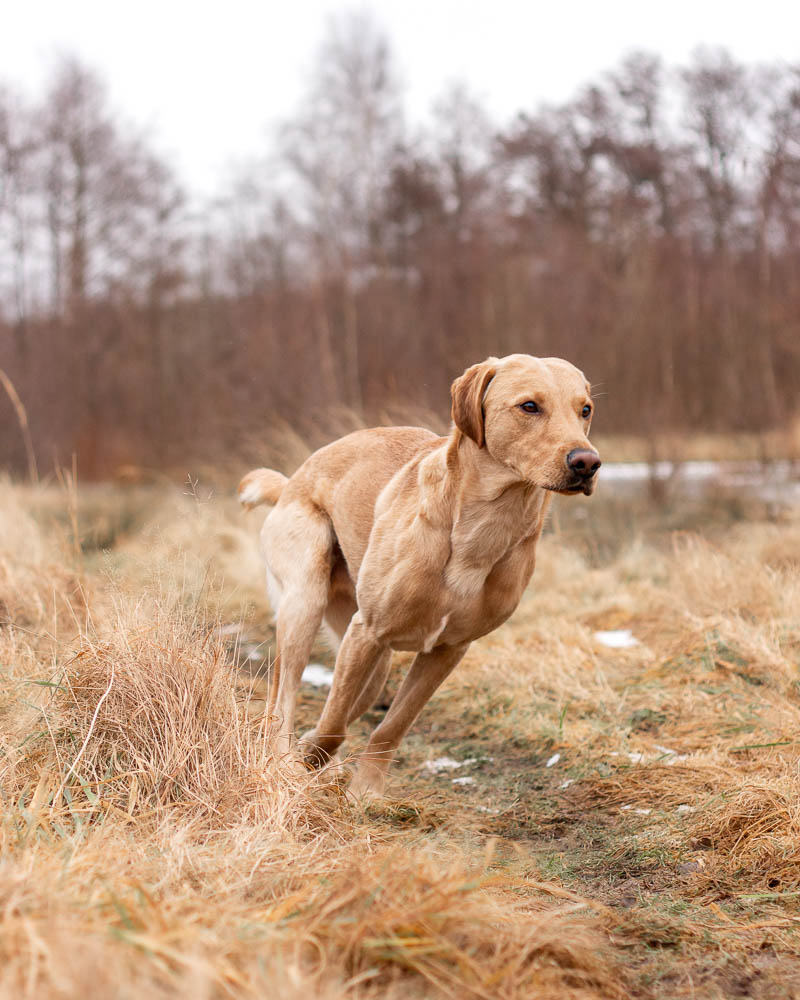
[[685, 809], [567, 783], [487, 809], [774, 482], [672, 755], [450, 764], [553, 760], [441, 764], [317, 675], [633, 472], [641, 812], [640, 757], [618, 638], [465, 780]]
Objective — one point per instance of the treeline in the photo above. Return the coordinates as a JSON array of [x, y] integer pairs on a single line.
[[647, 230]]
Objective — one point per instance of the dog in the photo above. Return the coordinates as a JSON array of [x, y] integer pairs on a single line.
[[397, 539]]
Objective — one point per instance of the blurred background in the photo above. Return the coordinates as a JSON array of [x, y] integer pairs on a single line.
[[220, 228]]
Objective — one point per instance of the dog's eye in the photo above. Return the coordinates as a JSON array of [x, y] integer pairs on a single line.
[[586, 412], [529, 407]]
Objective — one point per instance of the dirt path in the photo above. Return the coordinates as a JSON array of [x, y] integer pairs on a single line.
[[608, 828]]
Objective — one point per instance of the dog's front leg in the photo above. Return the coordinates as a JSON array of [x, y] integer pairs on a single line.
[[424, 676], [359, 655]]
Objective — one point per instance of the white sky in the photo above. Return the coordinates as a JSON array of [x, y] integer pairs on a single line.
[[208, 79]]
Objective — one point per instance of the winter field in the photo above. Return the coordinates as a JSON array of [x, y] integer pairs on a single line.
[[602, 801]]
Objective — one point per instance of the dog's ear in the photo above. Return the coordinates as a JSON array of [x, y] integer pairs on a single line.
[[468, 391]]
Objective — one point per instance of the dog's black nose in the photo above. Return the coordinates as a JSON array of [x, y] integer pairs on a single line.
[[583, 462]]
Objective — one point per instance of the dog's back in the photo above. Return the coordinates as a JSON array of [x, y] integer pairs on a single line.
[[342, 481]]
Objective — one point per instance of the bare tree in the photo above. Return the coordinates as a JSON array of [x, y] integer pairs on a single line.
[[341, 143], [463, 138], [340, 148], [649, 231], [19, 147], [641, 147], [720, 110]]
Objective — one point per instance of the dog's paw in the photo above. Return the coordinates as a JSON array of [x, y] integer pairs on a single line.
[[315, 756], [366, 785]]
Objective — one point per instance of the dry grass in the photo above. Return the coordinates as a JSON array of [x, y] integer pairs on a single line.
[[152, 844], [631, 827]]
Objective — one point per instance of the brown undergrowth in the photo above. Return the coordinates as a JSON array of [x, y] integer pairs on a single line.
[[151, 844], [616, 822]]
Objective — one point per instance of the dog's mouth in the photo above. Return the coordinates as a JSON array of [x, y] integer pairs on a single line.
[[585, 486]]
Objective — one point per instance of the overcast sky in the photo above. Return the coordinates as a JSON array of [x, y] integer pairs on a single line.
[[209, 79]]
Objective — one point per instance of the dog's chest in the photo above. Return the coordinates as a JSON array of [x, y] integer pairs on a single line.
[[449, 615], [448, 584], [482, 545], [480, 598]]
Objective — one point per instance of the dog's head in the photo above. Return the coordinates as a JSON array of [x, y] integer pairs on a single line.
[[533, 416]]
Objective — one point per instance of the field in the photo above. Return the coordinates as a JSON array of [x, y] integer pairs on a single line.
[[566, 820]]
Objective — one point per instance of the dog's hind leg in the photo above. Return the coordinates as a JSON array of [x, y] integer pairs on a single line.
[[298, 542]]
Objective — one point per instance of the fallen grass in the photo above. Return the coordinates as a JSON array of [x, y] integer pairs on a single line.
[[623, 822]]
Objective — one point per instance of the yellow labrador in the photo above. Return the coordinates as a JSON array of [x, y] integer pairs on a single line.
[[397, 539]]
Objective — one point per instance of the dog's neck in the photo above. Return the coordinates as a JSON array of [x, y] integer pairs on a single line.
[[478, 482], [486, 507]]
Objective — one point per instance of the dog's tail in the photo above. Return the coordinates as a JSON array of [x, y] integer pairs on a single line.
[[261, 486]]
